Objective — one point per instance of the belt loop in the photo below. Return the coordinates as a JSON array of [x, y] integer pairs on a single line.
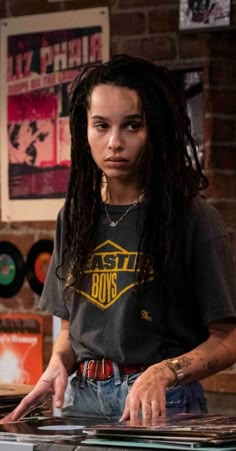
[[116, 371], [83, 377]]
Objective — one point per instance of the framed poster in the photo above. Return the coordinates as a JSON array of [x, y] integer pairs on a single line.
[[204, 13], [40, 57], [190, 81]]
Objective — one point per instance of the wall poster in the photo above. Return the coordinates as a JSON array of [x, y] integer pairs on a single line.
[[40, 57], [204, 14], [21, 348]]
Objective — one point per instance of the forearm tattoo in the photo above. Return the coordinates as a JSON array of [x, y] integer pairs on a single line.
[[159, 369], [213, 365], [185, 361]]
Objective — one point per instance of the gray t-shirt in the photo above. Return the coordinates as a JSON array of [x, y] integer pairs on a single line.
[[108, 319]]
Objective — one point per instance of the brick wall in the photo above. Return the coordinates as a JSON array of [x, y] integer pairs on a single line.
[[149, 28]]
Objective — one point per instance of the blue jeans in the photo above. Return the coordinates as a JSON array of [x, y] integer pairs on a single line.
[[105, 400]]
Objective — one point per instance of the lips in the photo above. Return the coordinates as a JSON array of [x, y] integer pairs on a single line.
[[116, 160]]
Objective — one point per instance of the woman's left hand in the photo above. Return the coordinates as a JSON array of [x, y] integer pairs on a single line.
[[148, 394]]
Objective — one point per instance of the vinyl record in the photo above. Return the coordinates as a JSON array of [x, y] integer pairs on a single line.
[[37, 263], [48, 429], [12, 269]]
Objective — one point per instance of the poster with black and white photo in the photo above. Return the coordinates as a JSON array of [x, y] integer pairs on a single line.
[[40, 57], [204, 14]]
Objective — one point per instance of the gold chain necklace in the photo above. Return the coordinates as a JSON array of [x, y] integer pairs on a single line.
[[114, 223]]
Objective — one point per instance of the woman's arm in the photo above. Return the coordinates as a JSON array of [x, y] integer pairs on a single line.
[[63, 358], [215, 354], [62, 348]]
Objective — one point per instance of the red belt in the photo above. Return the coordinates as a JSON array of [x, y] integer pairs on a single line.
[[100, 370]]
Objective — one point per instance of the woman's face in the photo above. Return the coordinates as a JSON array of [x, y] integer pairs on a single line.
[[117, 132]]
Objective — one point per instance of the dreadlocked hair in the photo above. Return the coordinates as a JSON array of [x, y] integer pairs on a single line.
[[173, 175]]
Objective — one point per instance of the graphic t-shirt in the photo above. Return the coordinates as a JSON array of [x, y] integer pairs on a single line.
[[107, 318]]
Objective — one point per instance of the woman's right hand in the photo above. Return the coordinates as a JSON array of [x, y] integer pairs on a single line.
[[52, 382]]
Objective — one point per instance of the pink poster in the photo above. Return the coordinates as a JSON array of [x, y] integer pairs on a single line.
[[39, 60]]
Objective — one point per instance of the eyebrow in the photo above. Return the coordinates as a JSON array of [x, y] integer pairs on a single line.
[[128, 117]]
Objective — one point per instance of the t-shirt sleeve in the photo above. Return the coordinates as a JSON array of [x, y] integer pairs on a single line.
[[52, 299], [213, 268]]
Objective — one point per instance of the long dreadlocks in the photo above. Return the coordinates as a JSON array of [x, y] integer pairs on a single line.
[[173, 175]]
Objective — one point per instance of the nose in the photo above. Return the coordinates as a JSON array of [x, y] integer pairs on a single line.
[[115, 141]]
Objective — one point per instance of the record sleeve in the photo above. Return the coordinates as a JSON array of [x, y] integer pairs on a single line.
[[9, 391], [187, 429], [37, 263], [12, 269], [21, 349]]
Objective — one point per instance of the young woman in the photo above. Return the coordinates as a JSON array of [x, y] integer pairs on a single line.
[[141, 275]]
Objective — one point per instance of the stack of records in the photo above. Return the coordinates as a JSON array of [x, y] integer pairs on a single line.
[[12, 394], [184, 431]]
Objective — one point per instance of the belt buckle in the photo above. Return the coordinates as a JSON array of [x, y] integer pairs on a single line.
[[88, 369], [96, 368]]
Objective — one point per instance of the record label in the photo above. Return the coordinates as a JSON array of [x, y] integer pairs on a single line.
[[7, 269], [37, 264], [12, 269], [41, 266]]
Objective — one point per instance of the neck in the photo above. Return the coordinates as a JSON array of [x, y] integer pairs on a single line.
[[117, 194]]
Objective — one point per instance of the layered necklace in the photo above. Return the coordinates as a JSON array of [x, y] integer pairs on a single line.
[[115, 223]]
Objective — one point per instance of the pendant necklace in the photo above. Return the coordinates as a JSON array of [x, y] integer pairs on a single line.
[[114, 223]]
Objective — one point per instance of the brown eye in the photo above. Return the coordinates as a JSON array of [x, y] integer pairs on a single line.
[[134, 126], [101, 126]]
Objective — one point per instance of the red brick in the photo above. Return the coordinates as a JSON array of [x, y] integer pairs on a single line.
[[114, 46], [222, 186], [232, 237], [146, 3], [155, 49], [228, 212], [163, 20], [222, 73], [23, 301], [220, 101], [48, 226], [47, 324], [123, 24], [222, 43], [233, 14], [45, 236], [24, 7], [221, 157], [23, 242], [42, 225], [8, 305], [28, 299], [219, 129], [194, 45]]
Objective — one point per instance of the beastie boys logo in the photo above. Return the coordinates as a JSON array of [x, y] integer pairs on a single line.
[[110, 272]]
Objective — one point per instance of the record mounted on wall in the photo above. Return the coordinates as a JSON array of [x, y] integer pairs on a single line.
[[37, 263], [12, 269]]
